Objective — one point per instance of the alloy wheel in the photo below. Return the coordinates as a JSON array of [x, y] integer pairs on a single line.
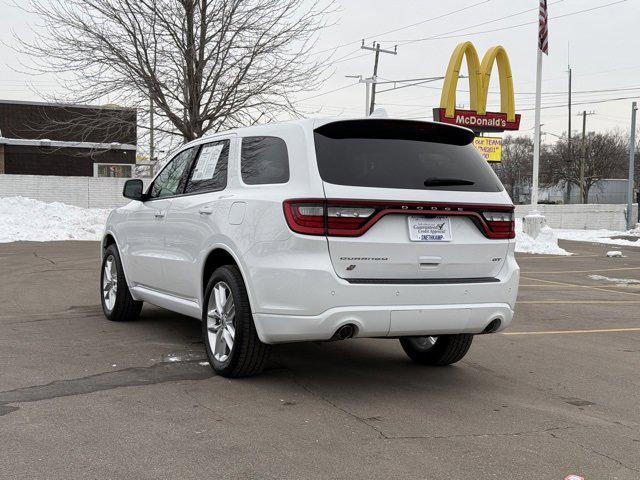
[[110, 282], [221, 328]]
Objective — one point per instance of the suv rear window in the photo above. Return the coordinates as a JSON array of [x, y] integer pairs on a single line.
[[402, 154]]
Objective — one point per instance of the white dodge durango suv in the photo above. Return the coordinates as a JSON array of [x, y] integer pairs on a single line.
[[319, 230]]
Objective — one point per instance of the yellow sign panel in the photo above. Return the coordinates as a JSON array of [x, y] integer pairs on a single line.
[[489, 147]]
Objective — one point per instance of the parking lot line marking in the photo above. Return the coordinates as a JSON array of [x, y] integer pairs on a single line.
[[553, 257], [554, 285], [561, 332], [600, 289], [612, 302], [549, 272]]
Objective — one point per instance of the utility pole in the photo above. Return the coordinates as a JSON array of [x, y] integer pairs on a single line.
[[367, 81], [583, 160], [376, 48], [632, 154]]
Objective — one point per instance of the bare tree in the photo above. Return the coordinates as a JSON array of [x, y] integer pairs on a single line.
[[205, 64], [605, 158], [515, 168]]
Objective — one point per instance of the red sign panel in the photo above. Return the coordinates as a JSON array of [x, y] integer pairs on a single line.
[[489, 122]]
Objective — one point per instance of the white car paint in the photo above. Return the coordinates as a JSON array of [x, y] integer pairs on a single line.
[[298, 285]]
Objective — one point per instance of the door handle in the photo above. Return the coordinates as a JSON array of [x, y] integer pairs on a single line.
[[159, 214], [205, 211]]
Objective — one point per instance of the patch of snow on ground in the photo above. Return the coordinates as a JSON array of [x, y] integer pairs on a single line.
[[620, 282], [546, 243], [599, 236], [32, 220]]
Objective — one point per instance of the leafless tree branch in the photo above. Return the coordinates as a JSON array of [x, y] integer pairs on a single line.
[[205, 64]]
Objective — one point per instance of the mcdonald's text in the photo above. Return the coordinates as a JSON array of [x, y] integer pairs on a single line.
[[487, 122]]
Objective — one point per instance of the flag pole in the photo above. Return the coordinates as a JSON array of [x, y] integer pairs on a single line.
[[534, 221], [536, 138]]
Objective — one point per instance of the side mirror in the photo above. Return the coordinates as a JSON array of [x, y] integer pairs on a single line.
[[133, 189]]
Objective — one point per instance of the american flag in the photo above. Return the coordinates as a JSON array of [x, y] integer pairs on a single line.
[[543, 32]]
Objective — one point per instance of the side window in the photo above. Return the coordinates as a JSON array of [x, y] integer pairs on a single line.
[[209, 173], [264, 160], [171, 179]]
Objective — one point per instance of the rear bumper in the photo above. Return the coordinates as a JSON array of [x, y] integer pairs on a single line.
[[296, 295], [387, 321]]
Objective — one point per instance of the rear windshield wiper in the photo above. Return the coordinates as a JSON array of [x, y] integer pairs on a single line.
[[445, 182]]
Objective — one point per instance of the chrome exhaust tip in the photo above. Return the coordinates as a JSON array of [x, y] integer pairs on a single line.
[[344, 332], [493, 326]]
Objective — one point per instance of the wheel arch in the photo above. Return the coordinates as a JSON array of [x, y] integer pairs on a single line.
[[109, 239], [218, 256]]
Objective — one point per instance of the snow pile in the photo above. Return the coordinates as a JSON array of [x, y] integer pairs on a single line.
[[631, 237], [32, 220], [546, 243]]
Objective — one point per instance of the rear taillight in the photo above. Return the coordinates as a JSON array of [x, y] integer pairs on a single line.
[[352, 218], [501, 224], [318, 217], [347, 221], [305, 216]]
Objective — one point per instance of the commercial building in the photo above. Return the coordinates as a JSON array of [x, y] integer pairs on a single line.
[[67, 140]]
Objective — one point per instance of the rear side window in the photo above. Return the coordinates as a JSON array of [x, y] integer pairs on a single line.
[[209, 172], [402, 154], [264, 160]]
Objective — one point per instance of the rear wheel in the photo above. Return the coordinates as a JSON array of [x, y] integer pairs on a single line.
[[230, 337], [117, 303], [439, 351]]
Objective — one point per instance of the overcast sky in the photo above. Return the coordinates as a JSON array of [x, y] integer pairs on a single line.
[[602, 45]]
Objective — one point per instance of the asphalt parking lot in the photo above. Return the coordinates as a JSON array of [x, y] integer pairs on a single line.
[[81, 397]]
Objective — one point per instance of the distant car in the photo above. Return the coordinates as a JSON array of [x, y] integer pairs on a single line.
[[319, 230]]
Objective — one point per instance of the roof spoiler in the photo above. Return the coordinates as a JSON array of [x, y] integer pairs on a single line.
[[397, 130]]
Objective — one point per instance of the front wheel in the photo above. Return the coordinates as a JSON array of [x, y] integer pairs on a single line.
[[439, 351], [230, 337], [117, 303]]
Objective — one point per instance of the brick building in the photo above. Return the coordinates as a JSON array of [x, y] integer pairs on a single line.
[[69, 140]]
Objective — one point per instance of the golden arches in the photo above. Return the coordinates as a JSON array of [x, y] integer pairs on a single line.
[[479, 78]]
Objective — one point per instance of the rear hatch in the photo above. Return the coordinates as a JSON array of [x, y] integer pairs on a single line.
[[410, 201]]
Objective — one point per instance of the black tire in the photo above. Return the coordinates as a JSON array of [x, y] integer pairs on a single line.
[[249, 355], [125, 307], [446, 350]]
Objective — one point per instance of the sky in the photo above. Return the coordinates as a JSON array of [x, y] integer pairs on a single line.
[[601, 44]]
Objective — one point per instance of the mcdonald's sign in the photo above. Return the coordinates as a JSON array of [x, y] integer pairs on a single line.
[[477, 118]]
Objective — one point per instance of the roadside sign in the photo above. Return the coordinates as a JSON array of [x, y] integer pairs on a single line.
[[489, 147]]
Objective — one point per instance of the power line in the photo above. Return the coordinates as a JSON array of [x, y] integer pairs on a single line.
[[562, 105], [343, 59], [412, 84], [406, 42], [508, 27], [453, 12], [326, 93], [592, 102], [558, 93]]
